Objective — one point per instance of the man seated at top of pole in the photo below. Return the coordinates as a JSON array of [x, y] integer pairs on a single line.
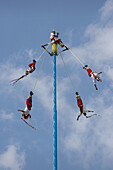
[[55, 40], [54, 37]]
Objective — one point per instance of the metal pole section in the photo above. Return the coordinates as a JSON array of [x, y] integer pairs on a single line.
[[54, 116]]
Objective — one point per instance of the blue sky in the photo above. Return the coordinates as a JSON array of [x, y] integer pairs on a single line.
[[87, 28]]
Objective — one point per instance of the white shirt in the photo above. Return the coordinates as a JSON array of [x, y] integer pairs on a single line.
[[52, 35]]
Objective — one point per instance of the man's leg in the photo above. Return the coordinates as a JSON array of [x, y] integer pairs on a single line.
[[94, 80], [79, 116], [98, 77], [81, 111]]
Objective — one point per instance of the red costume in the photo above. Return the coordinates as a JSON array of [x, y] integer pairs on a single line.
[[26, 116], [89, 71], [29, 103], [79, 101], [32, 65], [53, 38]]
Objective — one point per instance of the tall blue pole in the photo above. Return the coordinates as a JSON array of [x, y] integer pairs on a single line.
[[54, 116]]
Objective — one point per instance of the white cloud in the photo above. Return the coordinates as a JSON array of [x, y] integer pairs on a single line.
[[97, 49], [11, 72], [109, 72], [5, 115], [12, 159], [88, 138], [31, 53], [107, 10], [91, 139], [44, 91], [43, 88]]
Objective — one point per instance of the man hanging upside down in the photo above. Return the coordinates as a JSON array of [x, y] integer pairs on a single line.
[[25, 112], [31, 67], [81, 107], [29, 70], [95, 76]]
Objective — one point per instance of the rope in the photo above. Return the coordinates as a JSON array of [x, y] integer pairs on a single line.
[[67, 72], [42, 53], [76, 57], [39, 72]]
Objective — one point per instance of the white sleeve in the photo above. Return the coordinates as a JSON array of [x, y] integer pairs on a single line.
[[51, 35]]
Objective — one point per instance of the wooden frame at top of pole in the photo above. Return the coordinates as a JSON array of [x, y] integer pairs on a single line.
[[54, 50]]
